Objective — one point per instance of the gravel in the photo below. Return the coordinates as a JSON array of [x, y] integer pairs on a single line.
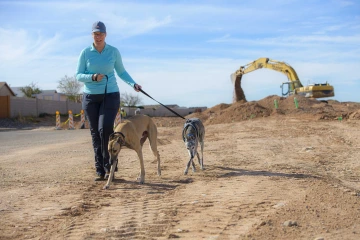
[[15, 124]]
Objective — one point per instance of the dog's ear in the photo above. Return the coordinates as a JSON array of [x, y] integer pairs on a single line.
[[121, 140], [112, 136], [119, 137]]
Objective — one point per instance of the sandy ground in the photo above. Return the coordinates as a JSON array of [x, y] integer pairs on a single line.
[[276, 177]]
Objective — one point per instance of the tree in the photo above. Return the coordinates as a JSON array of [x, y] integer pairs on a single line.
[[130, 100], [30, 90], [70, 87]]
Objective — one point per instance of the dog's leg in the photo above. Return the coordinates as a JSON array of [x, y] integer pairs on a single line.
[[141, 177], [202, 155], [199, 159], [112, 170], [187, 166], [153, 147], [193, 165], [190, 162], [157, 156]]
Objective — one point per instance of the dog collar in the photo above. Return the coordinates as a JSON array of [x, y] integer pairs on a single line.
[[121, 134]]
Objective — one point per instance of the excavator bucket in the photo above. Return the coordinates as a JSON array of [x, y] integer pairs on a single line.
[[238, 94]]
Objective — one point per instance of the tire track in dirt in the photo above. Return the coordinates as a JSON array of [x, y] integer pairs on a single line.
[[219, 210], [190, 209], [129, 211]]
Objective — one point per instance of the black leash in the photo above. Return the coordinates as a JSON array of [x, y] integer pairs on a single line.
[[162, 104], [103, 147]]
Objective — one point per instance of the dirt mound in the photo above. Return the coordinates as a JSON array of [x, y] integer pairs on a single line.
[[272, 106], [168, 121], [236, 112]]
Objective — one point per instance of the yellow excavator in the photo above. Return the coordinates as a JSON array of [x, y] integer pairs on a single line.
[[318, 90]]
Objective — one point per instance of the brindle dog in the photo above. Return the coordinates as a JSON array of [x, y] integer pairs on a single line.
[[193, 134]]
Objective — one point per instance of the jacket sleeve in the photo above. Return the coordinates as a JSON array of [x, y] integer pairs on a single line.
[[82, 74], [120, 70]]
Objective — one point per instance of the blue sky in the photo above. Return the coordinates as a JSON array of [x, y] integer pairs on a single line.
[[183, 52]]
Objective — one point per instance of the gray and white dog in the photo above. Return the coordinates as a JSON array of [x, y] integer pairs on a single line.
[[193, 134]]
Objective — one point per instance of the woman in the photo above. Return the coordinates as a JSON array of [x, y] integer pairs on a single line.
[[101, 99]]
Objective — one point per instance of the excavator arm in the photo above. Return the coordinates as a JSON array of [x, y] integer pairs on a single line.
[[295, 86]]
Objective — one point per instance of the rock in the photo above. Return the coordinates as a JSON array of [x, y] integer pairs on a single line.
[[171, 235], [290, 223]]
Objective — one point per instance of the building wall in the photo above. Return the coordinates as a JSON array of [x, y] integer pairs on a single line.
[[21, 107], [52, 96], [4, 91], [35, 107]]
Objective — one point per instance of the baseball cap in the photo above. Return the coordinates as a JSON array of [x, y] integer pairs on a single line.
[[99, 27]]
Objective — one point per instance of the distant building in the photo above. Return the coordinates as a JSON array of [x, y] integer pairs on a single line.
[[51, 95], [5, 90], [45, 94], [18, 92], [158, 105], [175, 106]]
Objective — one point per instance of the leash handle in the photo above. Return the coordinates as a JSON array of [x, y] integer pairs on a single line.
[[162, 104]]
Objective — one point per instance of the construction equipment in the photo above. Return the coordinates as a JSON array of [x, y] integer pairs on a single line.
[[322, 90]]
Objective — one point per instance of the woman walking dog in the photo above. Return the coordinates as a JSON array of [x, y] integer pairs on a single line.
[[101, 99]]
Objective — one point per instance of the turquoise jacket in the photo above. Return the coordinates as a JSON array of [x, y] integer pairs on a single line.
[[91, 62]]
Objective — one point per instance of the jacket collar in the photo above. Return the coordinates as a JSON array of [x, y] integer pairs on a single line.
[[92, 47]]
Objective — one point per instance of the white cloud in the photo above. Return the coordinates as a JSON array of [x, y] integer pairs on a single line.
[[129, 27], [345, 3]]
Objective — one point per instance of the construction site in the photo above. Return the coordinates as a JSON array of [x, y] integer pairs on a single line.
[[282, 167]]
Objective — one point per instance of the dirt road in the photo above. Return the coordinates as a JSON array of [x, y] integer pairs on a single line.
[[266, 178]]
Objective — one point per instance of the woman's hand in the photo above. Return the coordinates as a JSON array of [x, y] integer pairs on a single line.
[[137, 87], [99, 77]]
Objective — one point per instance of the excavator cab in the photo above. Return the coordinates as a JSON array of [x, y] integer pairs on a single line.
[[287, 91], [317, 90], [291, 87]]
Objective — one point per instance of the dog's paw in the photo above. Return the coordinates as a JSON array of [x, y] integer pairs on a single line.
[[106, 187], [141, 180]]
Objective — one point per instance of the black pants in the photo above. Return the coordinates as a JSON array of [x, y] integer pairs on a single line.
[[101, 110]]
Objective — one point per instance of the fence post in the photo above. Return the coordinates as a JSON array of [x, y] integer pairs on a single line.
[[82, 126], [58, 127], [71, 121]]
